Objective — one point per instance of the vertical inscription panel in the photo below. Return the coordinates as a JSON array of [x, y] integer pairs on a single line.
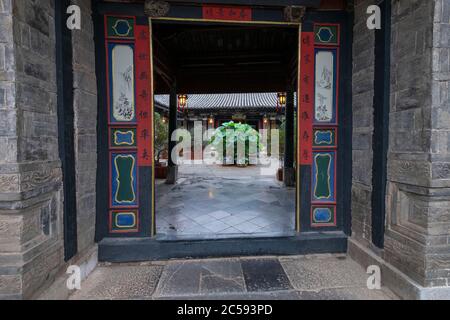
[[306, 89], [144, 97], [129, 96], [318, 122]]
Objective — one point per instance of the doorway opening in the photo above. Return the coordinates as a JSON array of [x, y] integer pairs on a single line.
[[223, 83]]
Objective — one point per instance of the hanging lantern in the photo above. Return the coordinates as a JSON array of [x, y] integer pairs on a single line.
[[182, 102], [281, 100], [211, 120], [265, 119]]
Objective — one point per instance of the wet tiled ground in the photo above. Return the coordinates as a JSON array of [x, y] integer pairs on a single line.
[[324, 277], [225, 201]]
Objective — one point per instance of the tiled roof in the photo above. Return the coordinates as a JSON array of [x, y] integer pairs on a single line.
[[226, 101]]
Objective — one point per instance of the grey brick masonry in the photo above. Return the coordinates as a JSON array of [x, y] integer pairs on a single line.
[[31, 230], [417, 242]]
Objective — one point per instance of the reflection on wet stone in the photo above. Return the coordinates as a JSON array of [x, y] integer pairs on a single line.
[[212, 201]]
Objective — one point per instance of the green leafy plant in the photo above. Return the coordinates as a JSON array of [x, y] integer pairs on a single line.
[[230, 134]]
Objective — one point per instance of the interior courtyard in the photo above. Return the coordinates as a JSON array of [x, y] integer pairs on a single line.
[[218, 66], [93, 94]]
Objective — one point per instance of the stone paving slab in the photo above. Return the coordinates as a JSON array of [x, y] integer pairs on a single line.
[[120, 282], [323, 277], [264, 275], [314, 273], [201, 277], [324, 295], [347, 294], [265, 296]]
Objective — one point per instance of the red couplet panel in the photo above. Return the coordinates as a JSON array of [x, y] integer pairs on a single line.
[[306, 110], [144, 97]]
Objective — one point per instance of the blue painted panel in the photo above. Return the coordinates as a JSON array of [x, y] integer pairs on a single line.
[[322, 215], [325, 34], [124, 138], [125, 220], [324, 138], [124, 180], [323, 184]]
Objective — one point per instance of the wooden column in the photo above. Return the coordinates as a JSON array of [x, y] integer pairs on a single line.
[[289, 172], [172, 173]]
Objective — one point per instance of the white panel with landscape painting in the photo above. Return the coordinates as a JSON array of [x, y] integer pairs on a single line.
[[123, 83], [324, 86]]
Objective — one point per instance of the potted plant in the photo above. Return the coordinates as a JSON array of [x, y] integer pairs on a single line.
[[161, 145], [229, 134]]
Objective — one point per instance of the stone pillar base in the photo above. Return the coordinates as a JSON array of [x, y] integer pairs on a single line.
[[394, 279], [289, 177], [172, 175], [58, 289]]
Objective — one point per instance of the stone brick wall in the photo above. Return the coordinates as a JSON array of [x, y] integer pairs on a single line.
[[363, 91], [10, 225], [31, 247], [417, 238], [31, 197], [437, 270], [85, 108], [418, 216]]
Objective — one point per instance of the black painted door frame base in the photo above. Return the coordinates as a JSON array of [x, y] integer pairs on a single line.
[[121, 250]]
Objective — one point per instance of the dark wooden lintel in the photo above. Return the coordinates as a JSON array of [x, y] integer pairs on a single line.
[[266, 3]]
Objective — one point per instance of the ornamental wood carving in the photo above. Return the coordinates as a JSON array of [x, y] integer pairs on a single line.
[[294, 13], [156, 8]]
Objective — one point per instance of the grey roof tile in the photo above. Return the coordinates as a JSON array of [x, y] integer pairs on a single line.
[[225, 101]]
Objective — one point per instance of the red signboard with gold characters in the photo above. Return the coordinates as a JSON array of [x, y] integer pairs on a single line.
[[143, 97], [227, 13], [306, 109]]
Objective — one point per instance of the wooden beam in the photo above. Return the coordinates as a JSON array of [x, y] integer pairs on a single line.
[[232, 83], [232, 58], [268, 11], [268, 3], [268, 68], [164, 76]]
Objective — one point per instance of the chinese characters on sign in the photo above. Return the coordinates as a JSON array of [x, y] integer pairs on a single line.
[[306, 100], [144, 96], [227, 13]]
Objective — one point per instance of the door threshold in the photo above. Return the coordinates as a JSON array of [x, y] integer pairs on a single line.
[[242, 236], [120, 250]]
